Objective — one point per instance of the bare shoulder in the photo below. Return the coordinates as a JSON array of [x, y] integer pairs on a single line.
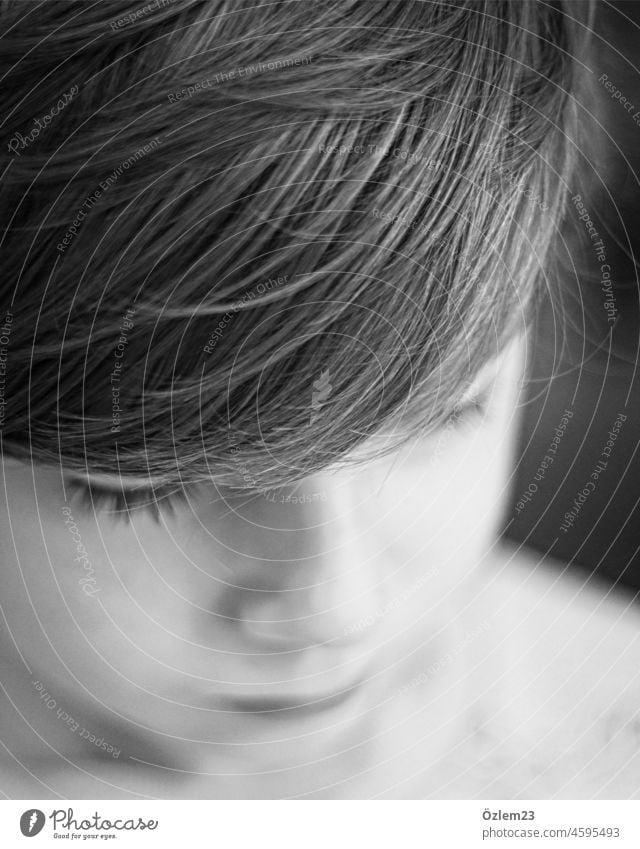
[[560, 685]]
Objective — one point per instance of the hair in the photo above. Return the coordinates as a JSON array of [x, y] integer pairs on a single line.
[[249, 237]]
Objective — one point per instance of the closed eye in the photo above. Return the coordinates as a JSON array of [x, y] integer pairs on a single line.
[[470, 410], [120, 502]]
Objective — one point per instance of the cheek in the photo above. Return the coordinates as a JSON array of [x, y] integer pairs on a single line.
[[59, 592], [48, 615], [107, 640], [448, 501], [444, 495]]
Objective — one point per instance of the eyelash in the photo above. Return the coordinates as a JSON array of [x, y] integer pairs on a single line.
[[472, 410], [121, 504]]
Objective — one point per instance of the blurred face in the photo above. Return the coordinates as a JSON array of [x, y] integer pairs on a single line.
[[276, 636]]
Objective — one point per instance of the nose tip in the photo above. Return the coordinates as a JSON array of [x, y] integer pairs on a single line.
[[303, 574], [330, 613], [288, 634]]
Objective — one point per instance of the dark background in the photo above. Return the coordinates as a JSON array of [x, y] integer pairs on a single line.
[[578, 360], [596, 382]]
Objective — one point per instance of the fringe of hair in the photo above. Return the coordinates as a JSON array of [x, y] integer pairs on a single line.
[[374, 204]]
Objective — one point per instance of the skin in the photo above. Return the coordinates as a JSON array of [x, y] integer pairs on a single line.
[[250, 648]]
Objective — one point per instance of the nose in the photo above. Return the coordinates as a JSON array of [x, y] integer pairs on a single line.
[[307, 604], [303, 572]]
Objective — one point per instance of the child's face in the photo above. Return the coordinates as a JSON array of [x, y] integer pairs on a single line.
[[197, 630]]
